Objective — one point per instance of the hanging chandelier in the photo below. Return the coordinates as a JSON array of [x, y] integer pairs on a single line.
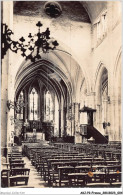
[[38, 42]]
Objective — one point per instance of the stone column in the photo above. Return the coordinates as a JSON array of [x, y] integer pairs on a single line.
[[68, 126], [26, 105], [25, 111], [59, 122], [11, 93], [65, 121], [4, 98], [119, 126], [41, 104], [117, 121], [78, 137], [91, 99], [110, 110], [98, 122], [73, 120], [56, 117], [111, 107], [110, 119], [76, 124], [7, 18], [62, 117]]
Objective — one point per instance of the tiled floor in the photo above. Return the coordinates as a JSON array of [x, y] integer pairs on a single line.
[[35, 179]]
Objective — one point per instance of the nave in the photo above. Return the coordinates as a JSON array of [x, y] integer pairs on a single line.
[[44, 165], [61, 100]]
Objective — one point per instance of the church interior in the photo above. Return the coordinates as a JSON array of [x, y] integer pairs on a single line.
[[61, 94]]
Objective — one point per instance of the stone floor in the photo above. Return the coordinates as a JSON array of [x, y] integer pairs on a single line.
[[35, 179]]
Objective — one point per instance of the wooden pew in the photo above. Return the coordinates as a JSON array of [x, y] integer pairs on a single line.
[[76, 179], [19, 171], [5, 173], [19, 175], [86, 169], [54, 163], [63, 175], [96, 177], [107, 169], [18, 178], [84, 160], [48, 159], [65, 170], [82, 169], [14, 158], [47, 167], [14, 165], [39, 162], [113, 177], [16, 161]]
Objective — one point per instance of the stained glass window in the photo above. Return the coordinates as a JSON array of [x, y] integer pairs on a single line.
[[33, 104], [48, 107]]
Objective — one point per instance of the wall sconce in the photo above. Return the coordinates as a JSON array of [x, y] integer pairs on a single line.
[[105, 124], [12, 120], [109, 100], [10, 104], [15, 105], [71, 117]]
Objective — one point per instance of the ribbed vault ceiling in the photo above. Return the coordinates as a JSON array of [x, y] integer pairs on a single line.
[[41, 72]]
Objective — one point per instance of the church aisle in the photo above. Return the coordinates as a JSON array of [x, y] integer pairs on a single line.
[[35, 179]]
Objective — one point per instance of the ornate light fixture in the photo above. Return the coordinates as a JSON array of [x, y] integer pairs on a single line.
[[53, 9], [13, 120], [39, 42], [105, 125], [15, 105]]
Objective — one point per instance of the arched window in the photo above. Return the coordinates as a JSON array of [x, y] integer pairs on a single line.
[[48, 107], [20, 103], [33, 107]]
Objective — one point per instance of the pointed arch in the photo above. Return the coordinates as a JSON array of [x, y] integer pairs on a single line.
[[33, 104]]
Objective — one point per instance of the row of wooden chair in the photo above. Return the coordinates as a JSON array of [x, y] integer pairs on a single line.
[[112, 151], [60, 167], [16, 174]]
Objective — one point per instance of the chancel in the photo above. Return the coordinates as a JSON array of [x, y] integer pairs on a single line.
[[61, 94]]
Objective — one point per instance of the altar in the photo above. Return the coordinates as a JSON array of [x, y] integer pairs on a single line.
[[32, 135]]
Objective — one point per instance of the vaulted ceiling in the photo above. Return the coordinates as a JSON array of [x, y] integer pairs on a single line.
[[46, 75], [94, 8], [84, 11], [51, 75], [65, 73]]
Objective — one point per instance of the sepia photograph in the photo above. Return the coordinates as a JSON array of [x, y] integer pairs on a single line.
[[61, 65]]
